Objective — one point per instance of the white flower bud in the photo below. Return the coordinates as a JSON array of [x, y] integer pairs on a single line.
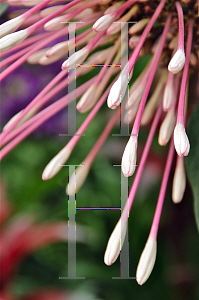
[[77, 179], [10, 26], [181, 140], [177, 62], [76, 58], [147, 261], [55, 165], [118, 89], [179, 181], [166, 128], [13, 39], [88, 99], [103, 23], [115, 242], [168, 97], [129, 157]]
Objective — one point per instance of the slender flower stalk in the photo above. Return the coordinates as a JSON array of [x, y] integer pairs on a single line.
[[181, 141], [148, 257], [178, 60], [77, 179]]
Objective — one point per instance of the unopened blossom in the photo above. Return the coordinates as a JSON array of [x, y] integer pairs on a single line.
[[162, 86]]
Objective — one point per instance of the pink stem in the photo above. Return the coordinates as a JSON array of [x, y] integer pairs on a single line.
[[122, 8], [13, 57], [181, 26], [27, 42], [41, 117], [71, 144], [37, 105], [21, 60], [141, 165], [144, 35], [107, 62], [158, 211], [40, 23], [80, 9], [32, 103], [94, 151], [157, 55], [180, 117], [34, 9], [176, 88], [94, 41]]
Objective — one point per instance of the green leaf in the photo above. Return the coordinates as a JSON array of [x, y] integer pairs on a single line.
[[3, 8], [192, 160]]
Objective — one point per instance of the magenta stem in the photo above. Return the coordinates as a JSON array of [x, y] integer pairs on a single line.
[[122, 8], [181, 26], [141, 165], [27, 42], [94, 41], [34, 9], [94, 151], [155, 61], [71, 144], [158, 211], [43, 116], [144, 35], [22, 59], [40, 23], [15, 56], [32, 103], [107, 62], [181, 103], [38, 102], [80, 9]]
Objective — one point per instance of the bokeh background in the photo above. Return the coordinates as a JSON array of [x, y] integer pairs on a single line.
[[26, 199]]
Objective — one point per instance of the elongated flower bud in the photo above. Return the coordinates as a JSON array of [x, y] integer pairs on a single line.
[[76, 58], [13, 39], [118, 89], [179, 181], [103, 23], [129, 157], [181, 140], [55, 165], [177, 62], [147, 261], [10, 26], [166, 128], [88, 99], [77, 179], [169, 96], [115, 242]]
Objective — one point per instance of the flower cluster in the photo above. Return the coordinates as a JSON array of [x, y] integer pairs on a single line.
[[167, 30]]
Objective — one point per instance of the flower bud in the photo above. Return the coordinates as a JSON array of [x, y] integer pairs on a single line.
[[88, 100], [115, 242], [76, 58], [103, 23], [169, 96], [181, 140], [179, 181], [13, 39], [55, 165], [129, 157], [147, 261], [177, 62], [77, 179], [10, 26], [166, 128], [118, 88]]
